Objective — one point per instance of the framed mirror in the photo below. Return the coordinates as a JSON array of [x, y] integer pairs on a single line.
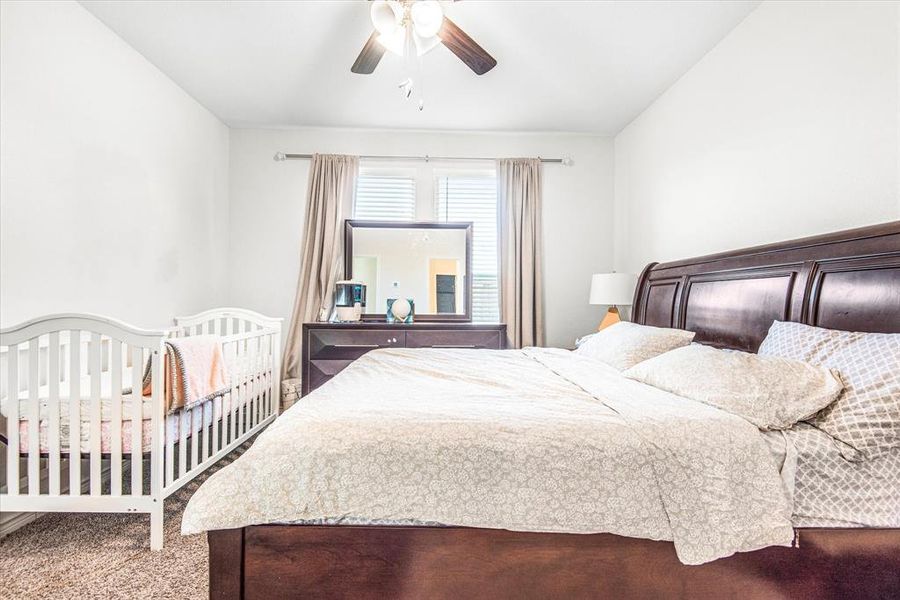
[[429, 263]]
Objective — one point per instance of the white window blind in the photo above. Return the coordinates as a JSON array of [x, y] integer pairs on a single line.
[[385, 198], [474, 198]]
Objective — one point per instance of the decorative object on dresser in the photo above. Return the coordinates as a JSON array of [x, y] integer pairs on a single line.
[[400, 310], [613, 290], [328, 348]]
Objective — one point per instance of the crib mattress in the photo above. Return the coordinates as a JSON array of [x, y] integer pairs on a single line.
[[190, 421]]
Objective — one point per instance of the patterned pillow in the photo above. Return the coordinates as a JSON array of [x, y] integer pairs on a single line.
[[866, 416], [770, 392], [625, 344]]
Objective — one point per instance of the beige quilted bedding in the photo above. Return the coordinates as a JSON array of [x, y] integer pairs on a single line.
[[528, 440]]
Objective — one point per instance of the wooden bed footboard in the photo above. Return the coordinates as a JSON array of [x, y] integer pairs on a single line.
[[359, 562]]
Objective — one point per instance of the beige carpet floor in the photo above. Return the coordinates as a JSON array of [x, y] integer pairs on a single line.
[[63, 555]]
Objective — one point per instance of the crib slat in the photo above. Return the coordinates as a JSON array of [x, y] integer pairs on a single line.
[[75, 413], [167, 419], [34, 419], [252, 419], [183, 416], [266, 369], [12, 420], [236, 390], [215, 422], [248, 382], [170, 452], [195, 433], [94, 353], [274, 395], [207, 409], [137, 463], [242, 393], [261, 383], [156, 398], [53, 411], [115, 419], [264, 379]]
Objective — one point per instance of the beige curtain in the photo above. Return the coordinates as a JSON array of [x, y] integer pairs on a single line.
[[329, 200], [521, 279]]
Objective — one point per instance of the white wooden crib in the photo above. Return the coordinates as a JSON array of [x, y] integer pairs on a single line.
[[73, 374]]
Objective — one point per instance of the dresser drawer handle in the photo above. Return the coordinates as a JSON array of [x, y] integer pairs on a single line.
[[454, 346], [355, 345]]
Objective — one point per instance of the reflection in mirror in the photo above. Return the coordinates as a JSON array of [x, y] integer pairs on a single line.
[[422, 262]]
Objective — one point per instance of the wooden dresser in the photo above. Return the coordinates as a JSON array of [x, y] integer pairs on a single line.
[[329, 347]]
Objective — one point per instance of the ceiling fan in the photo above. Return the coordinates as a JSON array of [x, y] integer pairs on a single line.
[[410, 28]]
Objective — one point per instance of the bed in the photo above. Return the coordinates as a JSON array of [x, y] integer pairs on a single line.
[[848, 280], [67, 389]]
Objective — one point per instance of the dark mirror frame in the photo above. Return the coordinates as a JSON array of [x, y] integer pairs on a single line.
[[349, 226]]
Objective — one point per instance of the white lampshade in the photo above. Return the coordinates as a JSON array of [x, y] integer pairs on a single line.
[[613, 289]]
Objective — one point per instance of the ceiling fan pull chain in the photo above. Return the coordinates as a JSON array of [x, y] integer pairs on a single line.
[[421, 83]]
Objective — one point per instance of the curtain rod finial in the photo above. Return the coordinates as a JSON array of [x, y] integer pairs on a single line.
[[568, 161], [279, 156]]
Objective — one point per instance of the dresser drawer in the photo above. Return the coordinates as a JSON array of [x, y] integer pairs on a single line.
[[344, 344], [328, 349], [451, 338]]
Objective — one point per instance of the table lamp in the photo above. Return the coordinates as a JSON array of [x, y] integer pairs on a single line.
[[613, 290]]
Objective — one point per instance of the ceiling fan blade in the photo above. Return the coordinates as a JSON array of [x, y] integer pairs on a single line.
[[465, 48], [369, 56]]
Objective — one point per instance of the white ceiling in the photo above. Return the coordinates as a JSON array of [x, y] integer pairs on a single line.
[[562, 66]]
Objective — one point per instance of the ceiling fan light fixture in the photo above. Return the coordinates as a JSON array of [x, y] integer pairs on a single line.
[[427, 17], [395, 42], [385, 17], [426, 44]]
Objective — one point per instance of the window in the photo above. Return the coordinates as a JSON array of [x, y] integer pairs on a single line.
[[420, 192], [473, 197], [385, 198]]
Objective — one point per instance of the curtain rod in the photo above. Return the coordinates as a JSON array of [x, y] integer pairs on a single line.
[[279, 156]]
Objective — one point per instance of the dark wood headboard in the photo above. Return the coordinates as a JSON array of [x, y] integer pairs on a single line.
[[847, 280]]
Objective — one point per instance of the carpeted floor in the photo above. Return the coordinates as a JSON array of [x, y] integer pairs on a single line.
[[84, 556]]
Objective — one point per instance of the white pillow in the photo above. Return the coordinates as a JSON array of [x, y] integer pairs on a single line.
[[625, 344], [867, 415], [771, 393]]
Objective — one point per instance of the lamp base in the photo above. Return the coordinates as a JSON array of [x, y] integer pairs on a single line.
[[611, 318]]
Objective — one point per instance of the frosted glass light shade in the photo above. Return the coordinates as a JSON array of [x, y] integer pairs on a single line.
[[385, 17], [613, 289], [427, 17]]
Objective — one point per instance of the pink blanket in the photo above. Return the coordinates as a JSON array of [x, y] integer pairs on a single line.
[[193, 372]]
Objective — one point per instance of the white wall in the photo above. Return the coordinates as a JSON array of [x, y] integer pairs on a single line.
[[267, 209], [788, 127], [113, 181]]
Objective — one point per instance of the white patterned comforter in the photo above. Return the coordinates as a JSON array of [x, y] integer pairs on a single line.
[[526, 440]]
